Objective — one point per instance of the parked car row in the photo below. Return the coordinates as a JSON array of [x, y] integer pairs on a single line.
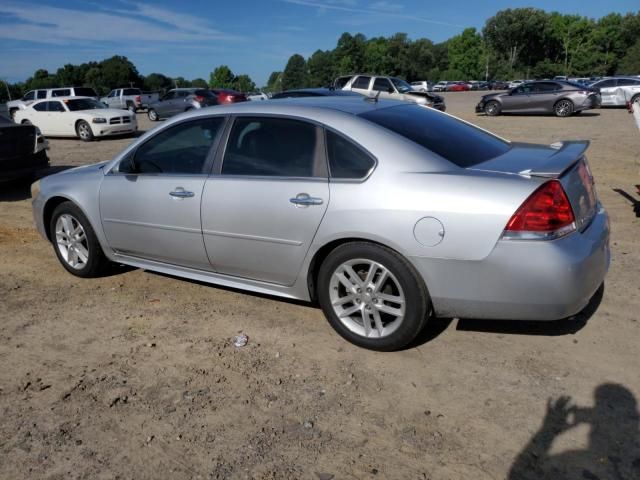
[[31, 96]]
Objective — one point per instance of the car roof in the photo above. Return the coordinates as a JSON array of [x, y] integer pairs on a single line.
[[321, 91], [68, 97]]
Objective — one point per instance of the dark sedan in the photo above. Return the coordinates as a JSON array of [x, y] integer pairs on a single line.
[[22, 150], [560, 98], [180, 100], [314, 92]]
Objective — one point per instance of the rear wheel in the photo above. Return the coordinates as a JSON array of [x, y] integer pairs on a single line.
[[492, 108], [152, 114], [635, 98], [12, 112], [563, 108], [372, 296], [75, 242], [83, 129]]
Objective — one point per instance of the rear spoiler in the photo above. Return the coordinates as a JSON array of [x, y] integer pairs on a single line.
[[532, 160]]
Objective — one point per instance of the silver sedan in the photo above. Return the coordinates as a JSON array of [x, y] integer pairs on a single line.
[[385, 213]]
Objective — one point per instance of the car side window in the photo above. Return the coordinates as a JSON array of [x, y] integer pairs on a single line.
[[64, 92], [607, 83], [347, 160], [382, 85], [41, 94], [169, 96], [112, 93], [545, 87], [183, 94], [626, 82], [181, 149], [361, 82], [40, 107], [276, 147], [29, 96], [518, 91], [56, 107]]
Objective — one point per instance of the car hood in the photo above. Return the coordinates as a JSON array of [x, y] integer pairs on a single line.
[[432, 97], [491, 96], [105, 112], [84, 169]]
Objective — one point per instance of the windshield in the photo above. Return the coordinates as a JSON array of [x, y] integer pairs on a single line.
[[459, 142], [401, 85], [83, 104]]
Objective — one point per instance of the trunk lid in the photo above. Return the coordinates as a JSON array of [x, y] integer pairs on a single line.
[[564, 161]]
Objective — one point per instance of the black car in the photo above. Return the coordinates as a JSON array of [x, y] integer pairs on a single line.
[[23, 150], [558, 97], [314, 92]]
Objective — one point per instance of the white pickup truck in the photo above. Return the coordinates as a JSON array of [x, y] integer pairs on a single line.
[[131, 99]]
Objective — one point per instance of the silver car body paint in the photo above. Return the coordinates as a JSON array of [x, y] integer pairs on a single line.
[[256, 239]]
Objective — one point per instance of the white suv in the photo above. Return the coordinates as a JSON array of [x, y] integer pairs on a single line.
[[33, 95]]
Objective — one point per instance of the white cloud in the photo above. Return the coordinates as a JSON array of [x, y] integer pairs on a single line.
[[58, 25], [384, 10]]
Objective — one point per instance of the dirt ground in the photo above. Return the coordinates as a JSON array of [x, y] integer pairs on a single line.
[[134, 376]]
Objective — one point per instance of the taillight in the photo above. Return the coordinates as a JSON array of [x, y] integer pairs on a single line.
[[545, 215], [199, 98], [138, 99]]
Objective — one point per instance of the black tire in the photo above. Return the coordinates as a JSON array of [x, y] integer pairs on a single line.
[[12, 112], [131, 107], [635, 98], [96, 261], [84, 132], [153, 115], [492, 108], [417, 302], [563, 108], [25, 122]]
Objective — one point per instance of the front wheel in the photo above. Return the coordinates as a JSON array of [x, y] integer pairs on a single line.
[[152, 114], [563, 108], [372, 296], [492, 108], [75, 242], [83, 129]]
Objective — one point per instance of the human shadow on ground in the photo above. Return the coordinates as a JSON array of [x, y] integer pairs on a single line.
[[613, 451], [634, 203]]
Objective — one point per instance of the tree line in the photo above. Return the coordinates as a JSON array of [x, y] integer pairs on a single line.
[[514, 43]]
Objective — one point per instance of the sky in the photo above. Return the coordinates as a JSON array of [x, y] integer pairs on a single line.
[[190, 38]]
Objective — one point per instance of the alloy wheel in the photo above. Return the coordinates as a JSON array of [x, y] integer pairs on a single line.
[[563, 108], [71, 241], [367, 298], [84, 131]]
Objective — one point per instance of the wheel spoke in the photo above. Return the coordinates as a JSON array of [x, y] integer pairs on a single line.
[[345, 281], [385, 297], [373, 268], [378, 321], [82, 253], [381, 279], [67, 225], [349, 311], [366, 322], [355, 279], [73, 257], [343, 300], [396, 312]]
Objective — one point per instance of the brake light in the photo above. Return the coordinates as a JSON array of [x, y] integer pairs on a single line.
[[199, 98], [546, 214], [138, 100]]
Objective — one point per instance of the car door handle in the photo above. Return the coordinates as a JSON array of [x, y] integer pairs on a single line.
[[304, 200], [180, 192]]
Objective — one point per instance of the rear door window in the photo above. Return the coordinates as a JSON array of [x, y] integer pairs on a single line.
[[85, 92], [40, 107], [41, 94], [461, 143], [347, 160], [607, 83], [273, 147], [626, 82], [361, 82], [61, 92], [56, 107]]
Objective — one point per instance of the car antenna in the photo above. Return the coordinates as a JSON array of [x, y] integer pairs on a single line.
[[373, 99]]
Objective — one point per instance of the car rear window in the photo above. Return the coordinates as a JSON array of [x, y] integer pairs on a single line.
[[452, 139], [128, 92]]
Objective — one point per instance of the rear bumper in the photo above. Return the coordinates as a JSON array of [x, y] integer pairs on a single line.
[[522, 280], [11, 169], [592, 101]]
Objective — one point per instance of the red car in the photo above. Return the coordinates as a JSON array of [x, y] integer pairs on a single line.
[[226, 95], [459, 87]]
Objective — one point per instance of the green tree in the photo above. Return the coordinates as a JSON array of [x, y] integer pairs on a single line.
[[466, 54], [320, 66], [274, 84], [118, 71], [221, 77], [199, 83], [295, 73], [243, 83], [376, 56], [155, 82], [630, 63]]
